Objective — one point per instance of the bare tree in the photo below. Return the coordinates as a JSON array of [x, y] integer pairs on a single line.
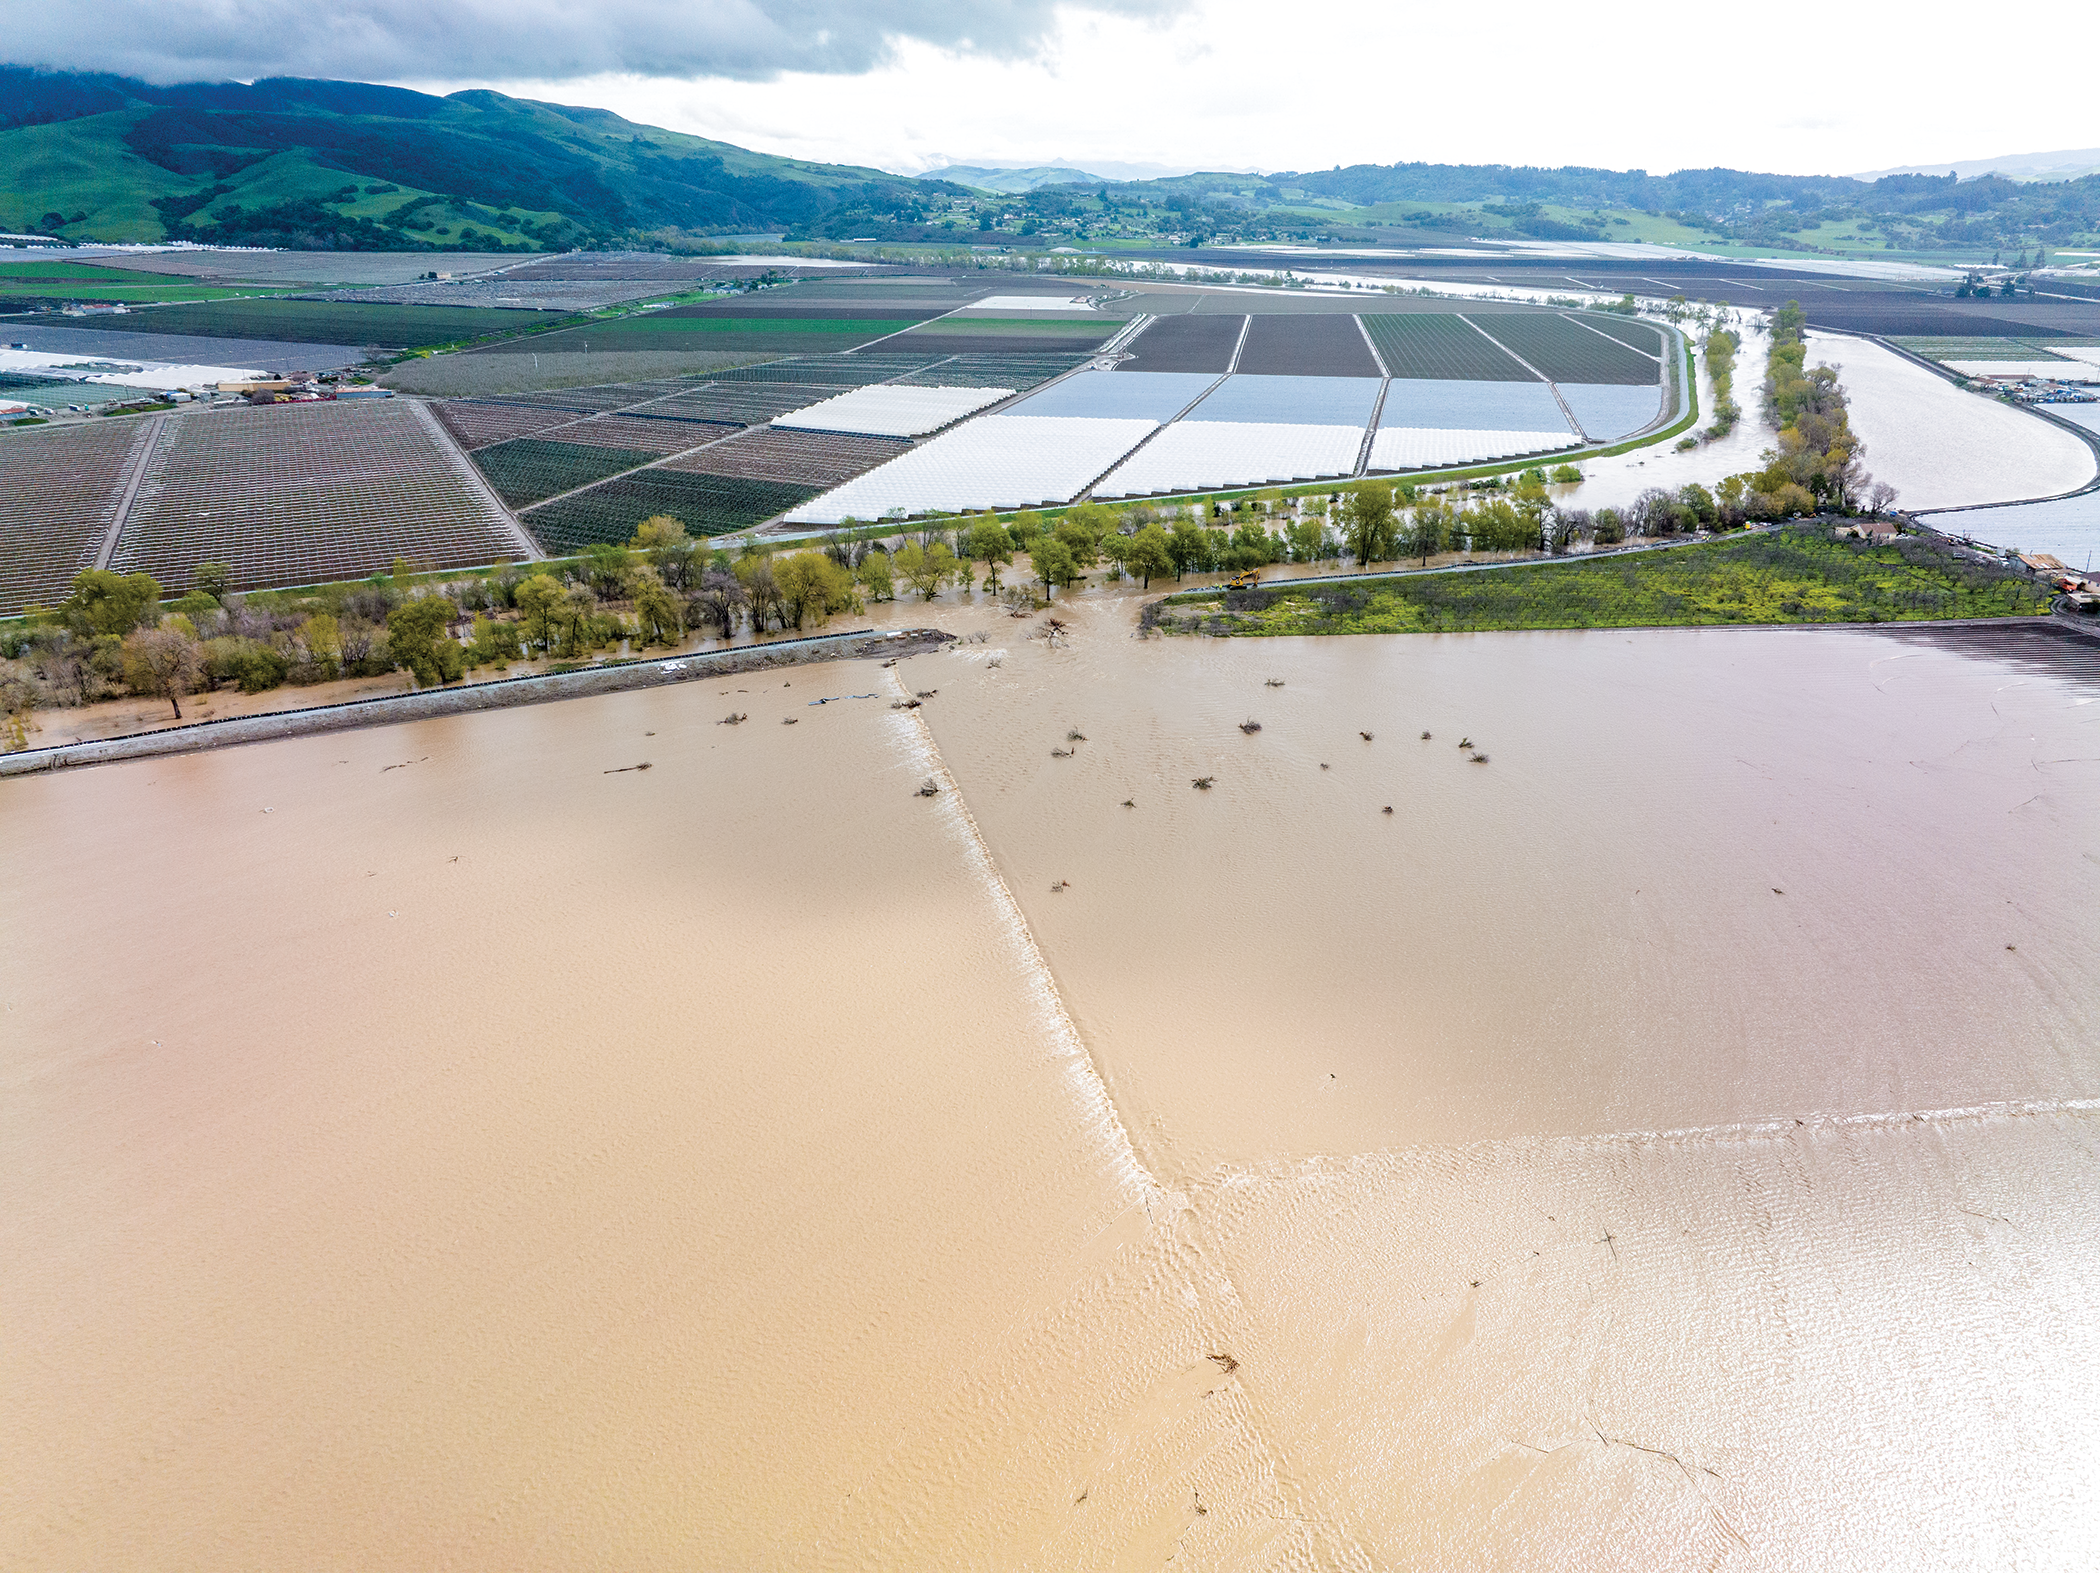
[[163, 663]]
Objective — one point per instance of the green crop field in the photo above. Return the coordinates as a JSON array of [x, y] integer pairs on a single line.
[[330, 322], [1799, 575], [1090, 331], [527, 469], [1955, 348], [1434, 345], [779, 336], [705, 504], [1566, 351]]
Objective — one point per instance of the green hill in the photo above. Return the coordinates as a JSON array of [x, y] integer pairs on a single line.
[[349, 165]]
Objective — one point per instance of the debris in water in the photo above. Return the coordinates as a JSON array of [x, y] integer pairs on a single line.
[[928, 693], [904, 704], [791, 720], [1062, 753], [644, 765], [1324, 767], [734, 718], [1387, 809], [1274, 682], [1366, 736], [1060, 887], [1203, 783], [1250, 726], [1425, 737], [1226, 1363], [929, 788], [1479, 758], [1465, 742], [1075, 737], [1131, 802]]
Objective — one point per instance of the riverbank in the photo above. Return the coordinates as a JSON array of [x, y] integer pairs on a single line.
[[503, 694]]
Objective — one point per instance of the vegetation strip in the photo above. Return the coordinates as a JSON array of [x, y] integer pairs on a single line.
[[504, 694], [1800, 574]]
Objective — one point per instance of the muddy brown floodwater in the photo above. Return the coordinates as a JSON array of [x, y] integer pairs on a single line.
[[1669, 1143]]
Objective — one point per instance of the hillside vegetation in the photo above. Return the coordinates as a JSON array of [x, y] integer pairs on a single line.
[[347, 165]]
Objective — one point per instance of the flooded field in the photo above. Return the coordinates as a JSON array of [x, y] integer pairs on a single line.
[[448, 1145], [1942, 447]]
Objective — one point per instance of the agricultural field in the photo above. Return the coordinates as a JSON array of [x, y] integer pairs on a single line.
[[59, 489], [28, 286], [527, 470], [1186, 344], [982, 336], [326, 322], [1121, 395], [660, 331], [889, 411], [1642, 336], [1194, 455], [706, 504], [1019, 371], [478, 423], [1421, 346], [1799, 575], [1292, 401], [1565, 351], [306, 493], [803, 458], [836, 371], [1610, 411], [996, 461], [1306, 346], [1948, 347]]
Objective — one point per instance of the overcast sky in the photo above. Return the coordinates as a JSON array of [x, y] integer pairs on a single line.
[[1803, 88]]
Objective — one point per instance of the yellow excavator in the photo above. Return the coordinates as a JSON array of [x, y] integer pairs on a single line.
[[1245, 580]]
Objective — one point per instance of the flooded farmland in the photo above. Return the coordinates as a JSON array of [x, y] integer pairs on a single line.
[[447, 1145]]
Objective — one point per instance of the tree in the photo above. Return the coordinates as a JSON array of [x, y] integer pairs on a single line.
[[164, 663], [1149, 554], [539, 599], [607, 567], [669, 549], [1053, 563], [323, 637], [415, 634], [212, 579], [876, 575], [655, 609], [813, 586], [1189, 547], [991, 545], [925, 568], [111, 603], [1367, 523]]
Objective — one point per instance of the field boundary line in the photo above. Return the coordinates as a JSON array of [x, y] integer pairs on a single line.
[[1363, 452], [1554, 388], [1566, 317], [470, 472], [1086, 492], [1377, 359], [1240, 344], [136, 464]]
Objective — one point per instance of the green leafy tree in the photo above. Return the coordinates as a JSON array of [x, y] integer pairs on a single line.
[[539, 599], [657, 613], [212, 579], [1428, 533], [1053, 564], [1149, 554], [1367, 523], [876, 574], [1189, 546], [925, 568], [813, 588], [112, 604], [415, 633], [988, 543], [670, 551]]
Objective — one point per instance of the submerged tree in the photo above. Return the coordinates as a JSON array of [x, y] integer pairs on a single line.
[[163, 663]]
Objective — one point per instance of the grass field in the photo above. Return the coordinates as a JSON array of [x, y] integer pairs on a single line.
[[1800, 575], [773, 336], [1953, 348], [329, 322], [42, 283]]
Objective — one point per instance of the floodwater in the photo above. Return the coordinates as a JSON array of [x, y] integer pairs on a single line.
[[1941, 446], [1669, 1143]]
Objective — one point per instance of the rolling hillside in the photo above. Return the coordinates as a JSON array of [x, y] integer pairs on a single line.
[[348, 165]]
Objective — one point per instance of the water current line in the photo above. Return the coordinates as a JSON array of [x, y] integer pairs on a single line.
[[1086, 1077]]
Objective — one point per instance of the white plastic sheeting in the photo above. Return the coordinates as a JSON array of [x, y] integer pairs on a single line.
[[1120, 395], [891, 411], [1610, 410], [1198, 455], [1000, 461], [1413, 447]]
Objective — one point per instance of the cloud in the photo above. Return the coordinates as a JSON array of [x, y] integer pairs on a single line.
[[543, 40]]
